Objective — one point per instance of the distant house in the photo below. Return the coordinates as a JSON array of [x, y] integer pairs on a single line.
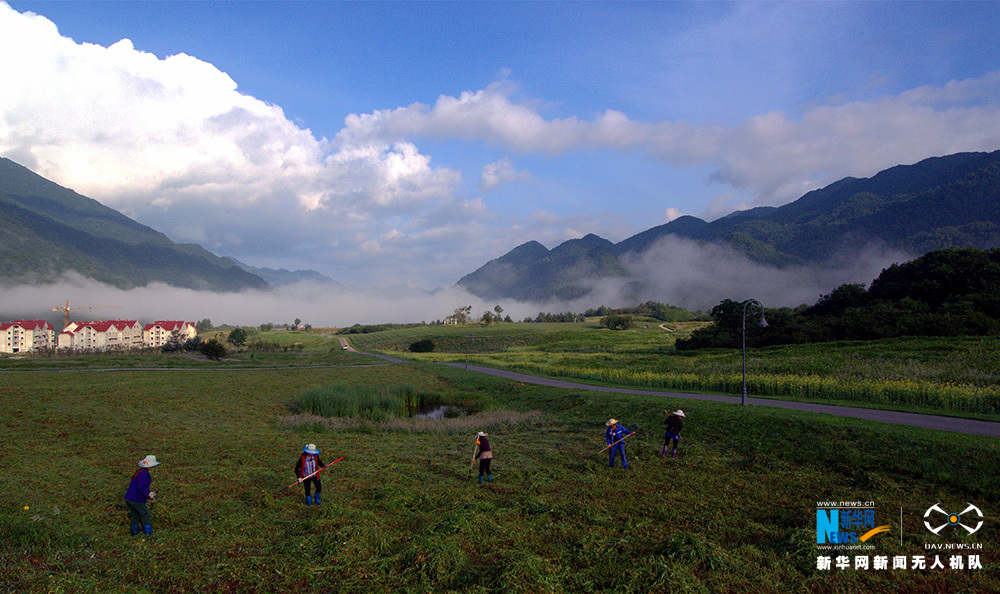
[[100, 335], [159, 333], [21, 336]]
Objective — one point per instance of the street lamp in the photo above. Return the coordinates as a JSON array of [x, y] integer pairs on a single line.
[[762, 324]]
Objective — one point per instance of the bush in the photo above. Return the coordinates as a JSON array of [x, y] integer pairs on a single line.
[[617, 322], [425, 345], [213, 349]]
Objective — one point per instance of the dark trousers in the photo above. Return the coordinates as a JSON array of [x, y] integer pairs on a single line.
[[484, 466], [139, 512], [670, 438], [312, 481]]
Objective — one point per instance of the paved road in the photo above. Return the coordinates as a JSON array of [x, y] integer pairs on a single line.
[[954, 424]]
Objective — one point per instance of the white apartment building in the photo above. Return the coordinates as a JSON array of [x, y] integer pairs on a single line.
[[21, 336], [158, 333], [106, 334]]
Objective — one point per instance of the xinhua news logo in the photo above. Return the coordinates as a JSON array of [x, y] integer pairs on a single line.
[[840, 525], [937, 524]]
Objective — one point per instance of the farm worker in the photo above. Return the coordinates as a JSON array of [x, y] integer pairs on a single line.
[[485, 457], [674, 425], [138, 495], [308, 464], [613, 434]]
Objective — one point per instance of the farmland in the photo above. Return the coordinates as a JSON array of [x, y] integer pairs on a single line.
[[402, 512]]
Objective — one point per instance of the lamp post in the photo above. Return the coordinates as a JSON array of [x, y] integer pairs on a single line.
[[762, 324], [468, 338]]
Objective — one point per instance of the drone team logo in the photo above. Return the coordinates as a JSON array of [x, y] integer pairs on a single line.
[[953, 519]]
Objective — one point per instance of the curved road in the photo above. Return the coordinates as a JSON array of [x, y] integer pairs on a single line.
[[954, 424]]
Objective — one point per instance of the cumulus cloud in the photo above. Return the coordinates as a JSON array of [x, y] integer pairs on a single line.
[[173, 143], [500, 172], [774, 157]]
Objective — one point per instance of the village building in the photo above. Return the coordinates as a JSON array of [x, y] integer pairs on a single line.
[[159, 333], [100, 335], [22, 336]]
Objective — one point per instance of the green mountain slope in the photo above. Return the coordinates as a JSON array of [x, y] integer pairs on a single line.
[[46, 230]]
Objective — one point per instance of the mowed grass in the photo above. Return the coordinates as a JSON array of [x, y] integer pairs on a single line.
[[402, 511]]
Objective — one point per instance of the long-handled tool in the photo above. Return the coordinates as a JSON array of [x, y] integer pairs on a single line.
[[299, 482], [472, 463], [618, 442]]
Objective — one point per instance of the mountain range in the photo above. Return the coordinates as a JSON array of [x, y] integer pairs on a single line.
[[951, 201], [48, 230], [940, 202]]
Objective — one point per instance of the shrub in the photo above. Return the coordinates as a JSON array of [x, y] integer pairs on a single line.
[[425, 345], [617, 322], [213, 349]]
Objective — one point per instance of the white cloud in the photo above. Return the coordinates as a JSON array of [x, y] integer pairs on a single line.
[[772, 156], [173, 143], [500, 172], [320, 305]]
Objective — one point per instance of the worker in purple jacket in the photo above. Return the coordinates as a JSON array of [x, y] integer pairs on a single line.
[[138, 495], [614, 435], [485, 456]]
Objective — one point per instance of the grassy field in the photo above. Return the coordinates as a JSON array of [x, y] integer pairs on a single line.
[[956, 376], [403, 513]]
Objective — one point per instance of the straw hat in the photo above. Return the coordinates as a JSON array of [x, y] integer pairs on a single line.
[[310, 448], [481, 434], [677, 412], [611, 422], [148, 462]]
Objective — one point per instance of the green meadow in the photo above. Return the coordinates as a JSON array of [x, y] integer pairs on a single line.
[[403, 512]]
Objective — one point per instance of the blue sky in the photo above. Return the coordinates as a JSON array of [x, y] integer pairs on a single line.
[[411, 142]]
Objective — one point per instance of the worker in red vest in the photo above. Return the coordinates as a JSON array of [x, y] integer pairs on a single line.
[[307, 464]]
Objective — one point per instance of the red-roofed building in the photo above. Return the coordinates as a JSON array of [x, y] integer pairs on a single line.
[[104, 334], [21, 336], [159, 333]]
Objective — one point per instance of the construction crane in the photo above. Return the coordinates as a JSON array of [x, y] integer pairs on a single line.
[[65, 309]]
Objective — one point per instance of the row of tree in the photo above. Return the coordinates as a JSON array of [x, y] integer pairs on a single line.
[[950, 292]]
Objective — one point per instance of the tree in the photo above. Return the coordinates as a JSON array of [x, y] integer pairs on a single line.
[[617, 322], [487, 318], [237, 337], [462, 314], [297, 322], [203, 326], [498, 310], [213, 349]]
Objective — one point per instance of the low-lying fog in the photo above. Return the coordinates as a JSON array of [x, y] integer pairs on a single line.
[[675, 271]]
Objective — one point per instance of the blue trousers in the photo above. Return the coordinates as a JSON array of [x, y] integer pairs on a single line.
[[616, 450]]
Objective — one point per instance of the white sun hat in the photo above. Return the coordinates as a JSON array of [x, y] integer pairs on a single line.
[[679, 413], [148, 462]]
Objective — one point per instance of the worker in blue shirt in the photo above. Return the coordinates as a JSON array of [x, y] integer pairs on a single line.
[[614, 436]]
